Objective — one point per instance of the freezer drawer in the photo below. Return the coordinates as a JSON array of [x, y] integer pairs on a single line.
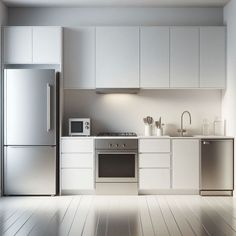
[[30, 170], [217, 165]]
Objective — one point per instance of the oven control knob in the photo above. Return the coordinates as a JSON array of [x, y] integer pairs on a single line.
[[124, 145], [110, 145], [117, 145], [86, 127], [86, 123]]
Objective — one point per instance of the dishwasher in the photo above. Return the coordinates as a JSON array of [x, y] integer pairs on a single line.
[[217, 167]]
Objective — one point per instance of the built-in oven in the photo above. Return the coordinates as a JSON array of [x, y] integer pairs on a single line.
[[116, 165]]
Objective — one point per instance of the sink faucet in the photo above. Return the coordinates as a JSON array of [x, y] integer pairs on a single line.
[[182, 130]]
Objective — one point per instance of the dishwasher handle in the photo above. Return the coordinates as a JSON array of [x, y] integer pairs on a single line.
[[206, 142]]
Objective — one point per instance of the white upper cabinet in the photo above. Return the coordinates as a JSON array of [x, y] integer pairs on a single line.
[[32, 45], [185, 164], [184, 57], [79, 58], [17, 45], [117, 57], [154, 57], [47, 44], [212, 57]]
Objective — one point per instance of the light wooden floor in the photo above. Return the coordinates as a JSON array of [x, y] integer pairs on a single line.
[[118, 215]]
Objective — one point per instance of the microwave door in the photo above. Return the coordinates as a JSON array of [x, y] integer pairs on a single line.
[[77, 127], [29, 107]]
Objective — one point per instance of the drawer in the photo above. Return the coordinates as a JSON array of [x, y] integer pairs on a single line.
[[154, 145], [77, 160], [77, 145], [152, 160], [77, 179], [154, 179]]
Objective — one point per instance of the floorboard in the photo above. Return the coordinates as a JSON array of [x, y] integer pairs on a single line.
[[149, 215]]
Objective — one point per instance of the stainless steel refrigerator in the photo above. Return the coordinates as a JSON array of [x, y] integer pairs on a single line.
[[30, 132]]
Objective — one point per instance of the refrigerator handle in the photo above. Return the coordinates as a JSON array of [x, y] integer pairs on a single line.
[[48, 107]]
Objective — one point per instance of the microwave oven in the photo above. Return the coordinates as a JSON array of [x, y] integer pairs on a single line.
[[79, 127]]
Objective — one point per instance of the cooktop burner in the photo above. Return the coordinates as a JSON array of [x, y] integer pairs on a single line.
[[129, 134]]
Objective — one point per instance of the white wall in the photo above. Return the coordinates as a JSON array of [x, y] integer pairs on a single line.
[[115, 16], [229, 97], [125, 112], [3, 21]]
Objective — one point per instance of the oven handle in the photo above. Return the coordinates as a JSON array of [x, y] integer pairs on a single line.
[[124, 152]]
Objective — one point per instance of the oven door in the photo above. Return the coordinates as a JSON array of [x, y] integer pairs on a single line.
[[116, 167]]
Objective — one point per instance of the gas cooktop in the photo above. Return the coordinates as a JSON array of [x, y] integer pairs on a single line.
[[117, 134]]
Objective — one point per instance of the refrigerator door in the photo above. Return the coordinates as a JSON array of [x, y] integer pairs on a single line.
[[30, 170], [29, 107]]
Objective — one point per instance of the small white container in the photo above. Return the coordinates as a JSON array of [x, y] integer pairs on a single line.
[[148, 130], [159, 132]]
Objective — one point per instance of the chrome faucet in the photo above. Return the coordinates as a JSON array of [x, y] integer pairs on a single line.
[[182, 130]]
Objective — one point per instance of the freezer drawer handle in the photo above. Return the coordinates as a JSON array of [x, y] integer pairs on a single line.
[[48, 107]]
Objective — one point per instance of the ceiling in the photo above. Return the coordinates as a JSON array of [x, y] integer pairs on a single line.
[[117, 3]]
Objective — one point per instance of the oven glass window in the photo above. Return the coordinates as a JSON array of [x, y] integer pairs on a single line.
[[116, 165], [76, 127]]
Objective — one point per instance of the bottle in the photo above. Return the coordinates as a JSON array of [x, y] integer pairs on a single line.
[[205, 127], [219, 127]]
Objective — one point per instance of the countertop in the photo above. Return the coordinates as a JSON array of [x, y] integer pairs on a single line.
[[149, 137]]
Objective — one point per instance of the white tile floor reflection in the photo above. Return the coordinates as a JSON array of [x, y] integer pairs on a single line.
[[118, 215]]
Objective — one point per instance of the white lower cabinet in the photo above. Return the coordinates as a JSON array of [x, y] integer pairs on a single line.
[[77, 164], [185, 164], [154, 179], [154, 164], [77, 179]]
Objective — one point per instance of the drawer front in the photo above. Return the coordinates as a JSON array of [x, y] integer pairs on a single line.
[[154, 179], [77, 145], [154, 145], [77, 160], [77, 179], [152, 160]]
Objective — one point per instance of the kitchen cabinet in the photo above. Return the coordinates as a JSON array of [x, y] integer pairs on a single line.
[[154, 179], [77, 165], [47, 45], [32, 45], [79, 58], [154, 145], [212, 57], [185, 164], [154, 164], [17, 43], [154, 57], [184, 57], [117, 57]]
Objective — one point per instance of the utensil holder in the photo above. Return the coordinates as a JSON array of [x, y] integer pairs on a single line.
[[148, 130], [159, 132]]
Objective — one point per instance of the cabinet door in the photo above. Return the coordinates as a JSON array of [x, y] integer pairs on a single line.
[[154, 179], [184, 57], [185, 164], [117, 57], [17, 45], [77, 145], [77, 179], [154, 57], [47, 45], [153, 145], [212, 57], [79, 58]]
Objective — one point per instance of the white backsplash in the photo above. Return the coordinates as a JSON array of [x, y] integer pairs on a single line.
[[125, 112]]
